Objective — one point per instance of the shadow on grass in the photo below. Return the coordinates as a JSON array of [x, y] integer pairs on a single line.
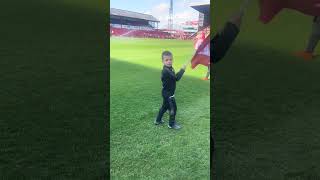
[[266, 115]]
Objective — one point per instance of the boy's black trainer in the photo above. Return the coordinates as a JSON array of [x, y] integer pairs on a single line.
[[158, 122]]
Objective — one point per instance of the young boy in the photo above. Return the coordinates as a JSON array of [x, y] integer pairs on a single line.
[[169, 78]]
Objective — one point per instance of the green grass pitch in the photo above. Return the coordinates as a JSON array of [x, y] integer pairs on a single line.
[[267, 101], [139, 149], [52, 95]]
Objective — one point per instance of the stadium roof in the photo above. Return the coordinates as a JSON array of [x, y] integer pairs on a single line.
[[131, 14], [203, 8]]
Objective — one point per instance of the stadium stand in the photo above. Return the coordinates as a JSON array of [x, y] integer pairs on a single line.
[[204, 20], [132, 24]]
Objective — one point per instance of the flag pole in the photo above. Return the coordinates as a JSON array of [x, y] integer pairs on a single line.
[[244, 6], [187, 62]]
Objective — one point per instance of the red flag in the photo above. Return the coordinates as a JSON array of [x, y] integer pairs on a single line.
[[270, 8], [202, 55], [199, 40]]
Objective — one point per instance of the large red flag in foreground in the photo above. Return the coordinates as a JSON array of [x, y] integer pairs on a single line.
[[270, 8], [202, 55]]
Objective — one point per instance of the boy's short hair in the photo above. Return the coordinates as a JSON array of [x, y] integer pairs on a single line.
[[166, 53]]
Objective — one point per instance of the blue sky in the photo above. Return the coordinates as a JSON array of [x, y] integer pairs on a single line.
[[160, 9]]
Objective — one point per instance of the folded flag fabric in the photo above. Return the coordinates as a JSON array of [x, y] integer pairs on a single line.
[[199, 40], [270, 8], [202, 55]]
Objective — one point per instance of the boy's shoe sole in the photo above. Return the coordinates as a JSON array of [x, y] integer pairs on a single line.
[[174, 127]]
